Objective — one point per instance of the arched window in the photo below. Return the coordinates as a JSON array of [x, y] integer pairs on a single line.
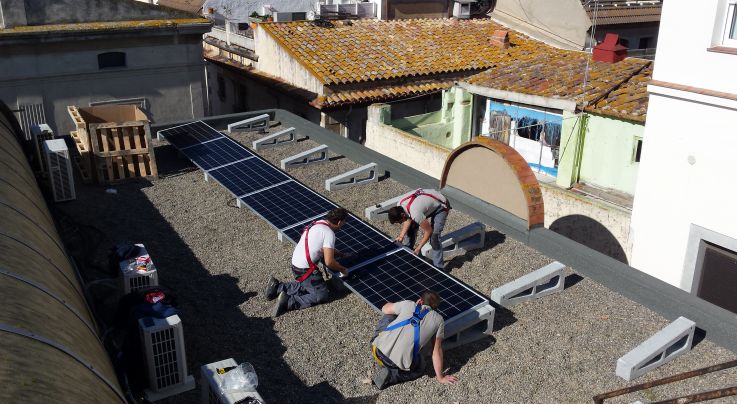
[[111, 59]]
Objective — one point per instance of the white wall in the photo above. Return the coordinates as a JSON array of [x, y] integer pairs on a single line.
[[240, 10], [687, 172], [275, 60], [682, 56]]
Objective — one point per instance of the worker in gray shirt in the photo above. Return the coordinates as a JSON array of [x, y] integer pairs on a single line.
[[404, 329], [426, 209]]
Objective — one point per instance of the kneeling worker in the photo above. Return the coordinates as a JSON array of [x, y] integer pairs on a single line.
[[402, 332], [317, 242], [426, 209]]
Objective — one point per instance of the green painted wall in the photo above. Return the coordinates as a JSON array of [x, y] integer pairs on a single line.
[[570, 148], [450, 127], [599, 151], [608, 153]]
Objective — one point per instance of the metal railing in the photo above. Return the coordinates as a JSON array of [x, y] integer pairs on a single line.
[[692, 398], [232, 38]]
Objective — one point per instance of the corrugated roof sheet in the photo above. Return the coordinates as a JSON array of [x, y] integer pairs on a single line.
[[368, 50], [628, 101], [626, 15], [559, 73], [383, 93]]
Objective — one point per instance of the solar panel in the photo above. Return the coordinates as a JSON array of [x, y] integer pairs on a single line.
[[288, 204], [190, 134], [248, 176], [355, 237], [404, 276], [216, 153]]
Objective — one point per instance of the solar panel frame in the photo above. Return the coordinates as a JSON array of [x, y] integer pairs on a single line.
[[190, 134], [389, 260], [364, 281], [235, 177], [304, 203]]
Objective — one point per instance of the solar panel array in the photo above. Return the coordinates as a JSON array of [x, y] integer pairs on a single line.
[[380, 270]]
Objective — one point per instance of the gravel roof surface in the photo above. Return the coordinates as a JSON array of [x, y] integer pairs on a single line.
[[217, 258]]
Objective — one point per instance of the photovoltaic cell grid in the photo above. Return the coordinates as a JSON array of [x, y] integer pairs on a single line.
[[247, 176], [288, 204], [399, 275], [216, 153], [190, 134], [355, 237], [403, 276]]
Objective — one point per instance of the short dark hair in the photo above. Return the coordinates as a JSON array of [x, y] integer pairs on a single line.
[[432, 299], [336, 215], [395, 214]]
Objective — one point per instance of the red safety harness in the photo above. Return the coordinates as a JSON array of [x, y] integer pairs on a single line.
[[419, 192], [307, 250]]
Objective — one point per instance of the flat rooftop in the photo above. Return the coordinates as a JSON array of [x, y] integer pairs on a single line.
[[217, 258]]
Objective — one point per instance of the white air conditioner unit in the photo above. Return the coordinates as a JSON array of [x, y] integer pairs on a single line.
[[59, 164], [133, 279], [162, 340], [40, 133], [210, 382]]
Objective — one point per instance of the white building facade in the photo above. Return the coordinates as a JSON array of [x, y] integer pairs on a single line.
[[684, 219]]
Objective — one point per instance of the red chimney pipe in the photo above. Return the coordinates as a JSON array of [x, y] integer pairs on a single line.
[[610, 51]]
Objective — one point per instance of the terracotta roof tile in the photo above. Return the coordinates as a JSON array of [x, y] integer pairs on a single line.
[[386, 93], [628, 101], [558, 73], [370, 49]]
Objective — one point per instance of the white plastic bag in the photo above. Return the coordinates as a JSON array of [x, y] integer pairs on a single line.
[[243, 377]]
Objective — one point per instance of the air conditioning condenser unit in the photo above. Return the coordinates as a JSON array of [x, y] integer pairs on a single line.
[[162, 341], [59, 164]]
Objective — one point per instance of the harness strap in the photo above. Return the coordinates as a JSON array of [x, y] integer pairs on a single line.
[[417, 316], [376, 356], [419, 192], [307, 250]]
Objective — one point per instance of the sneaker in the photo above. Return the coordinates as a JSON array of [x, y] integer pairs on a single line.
[[381, 378], [281, 305], [271, 289]]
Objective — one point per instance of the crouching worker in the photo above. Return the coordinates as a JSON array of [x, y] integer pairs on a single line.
[[426, 209], [404, 329], [316, 243]]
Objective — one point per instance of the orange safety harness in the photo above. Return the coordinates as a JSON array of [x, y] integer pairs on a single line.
[[307, 250], [419, 192]]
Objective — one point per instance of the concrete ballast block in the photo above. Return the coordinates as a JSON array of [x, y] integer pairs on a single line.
[[667, 344], [542, 282], [285, 136], [318, 154], [471, 237], [361, 175], [260, 122], [379, 211]]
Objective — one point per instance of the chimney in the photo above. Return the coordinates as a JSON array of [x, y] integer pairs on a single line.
[[500, 39], [610, 51]]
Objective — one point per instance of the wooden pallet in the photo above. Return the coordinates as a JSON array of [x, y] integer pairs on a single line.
[[116, 169], [83, 159]]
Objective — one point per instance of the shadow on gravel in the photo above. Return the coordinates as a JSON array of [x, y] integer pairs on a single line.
[[215, 328], [503, 317], [572, 280], [491, 240], [174, 165], [458, 357], [698, 336]]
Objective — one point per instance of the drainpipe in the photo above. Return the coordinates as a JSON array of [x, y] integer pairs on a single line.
[[583, 125]]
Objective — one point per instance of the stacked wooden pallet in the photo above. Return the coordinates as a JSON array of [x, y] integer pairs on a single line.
[[114, 143]]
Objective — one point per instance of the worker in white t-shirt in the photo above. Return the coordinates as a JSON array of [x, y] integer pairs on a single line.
[[426, 209], [309, 288]]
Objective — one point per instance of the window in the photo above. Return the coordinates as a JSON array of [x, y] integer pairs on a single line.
[[111, 59], [637, 150], [718, 275], [645, 43], [221, 88], [729, 38]]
